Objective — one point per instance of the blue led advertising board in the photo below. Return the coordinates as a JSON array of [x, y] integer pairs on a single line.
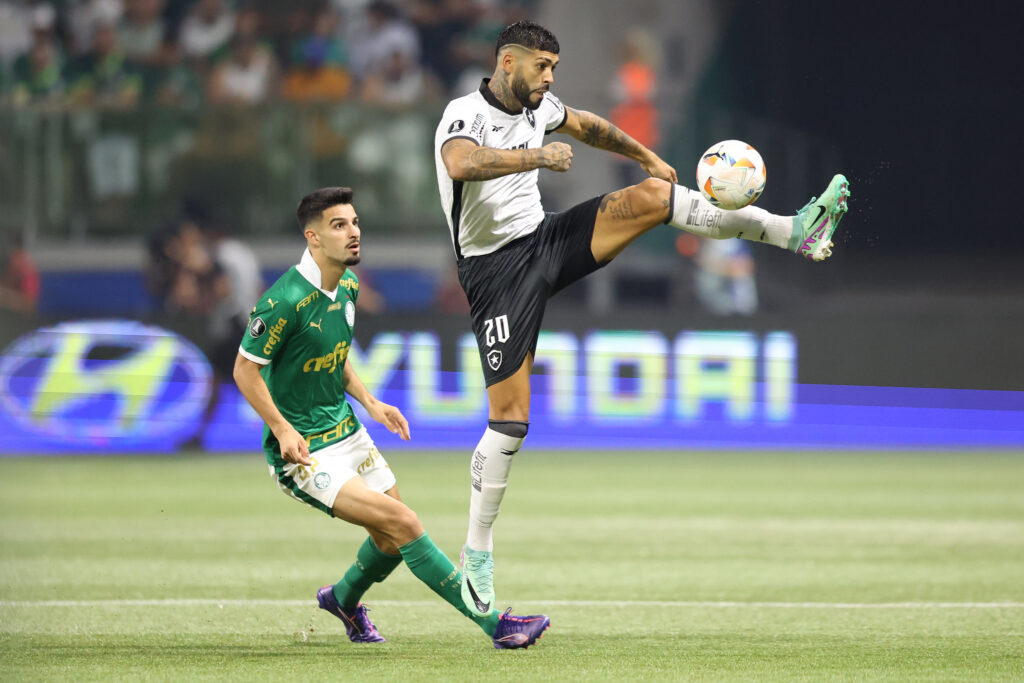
[[108, 386]]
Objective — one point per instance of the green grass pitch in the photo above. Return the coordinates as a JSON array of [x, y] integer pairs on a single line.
[[652, 566]]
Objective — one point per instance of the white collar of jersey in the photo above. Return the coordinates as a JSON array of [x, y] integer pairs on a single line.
[[308, 269]]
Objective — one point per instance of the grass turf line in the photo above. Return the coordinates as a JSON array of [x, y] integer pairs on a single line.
[[763, 527]]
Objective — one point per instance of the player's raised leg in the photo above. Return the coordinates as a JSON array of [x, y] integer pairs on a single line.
[[626, 214]]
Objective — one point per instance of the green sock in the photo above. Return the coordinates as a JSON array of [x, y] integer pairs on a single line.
[[371, 566], [428, 564]]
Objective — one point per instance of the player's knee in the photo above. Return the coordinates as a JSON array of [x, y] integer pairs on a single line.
[[653, 194], [511, 411], [404, 525]]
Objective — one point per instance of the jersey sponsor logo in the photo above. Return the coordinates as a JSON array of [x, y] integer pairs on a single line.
[[350, 313], [307, 301], [497, 129], [477, 129], [275, 335], [350, 285], [370, 462], [336, 306], [494, 359], [456, 126], [257, 327], [330, 361], [340, 430], [322, 480]]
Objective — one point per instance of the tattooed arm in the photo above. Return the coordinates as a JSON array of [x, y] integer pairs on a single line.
[[597, 132], [466, 160]]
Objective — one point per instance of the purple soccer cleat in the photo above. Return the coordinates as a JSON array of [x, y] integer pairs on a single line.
[[359, 627], [519, 632]]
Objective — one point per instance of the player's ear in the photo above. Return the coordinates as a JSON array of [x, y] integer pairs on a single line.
[[508, 61], [312, 236]]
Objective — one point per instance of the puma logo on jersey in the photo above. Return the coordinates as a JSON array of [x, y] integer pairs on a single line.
[[316, 324], [271, 302]]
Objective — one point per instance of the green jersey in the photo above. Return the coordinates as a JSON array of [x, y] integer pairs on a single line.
[[301, 335]]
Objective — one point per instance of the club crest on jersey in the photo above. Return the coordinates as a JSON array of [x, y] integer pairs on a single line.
[[494, 359], [456, 126], [350, 313], [530, 118], [257, 327]]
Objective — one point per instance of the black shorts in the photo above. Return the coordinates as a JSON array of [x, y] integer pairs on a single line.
[[509, 288]]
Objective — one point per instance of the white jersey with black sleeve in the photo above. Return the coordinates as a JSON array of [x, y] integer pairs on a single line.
[[485, 215]]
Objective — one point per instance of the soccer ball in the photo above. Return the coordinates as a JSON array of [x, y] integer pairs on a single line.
[[731, 174]]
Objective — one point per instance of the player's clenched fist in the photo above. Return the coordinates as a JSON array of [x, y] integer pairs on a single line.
[[293, 446], [557, 156]]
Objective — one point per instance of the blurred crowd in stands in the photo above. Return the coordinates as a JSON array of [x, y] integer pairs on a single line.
[[126, 53]]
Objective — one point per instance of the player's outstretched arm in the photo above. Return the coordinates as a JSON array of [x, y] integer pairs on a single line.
[[602, 134], [250, 382], [388, 415], [466, 160]]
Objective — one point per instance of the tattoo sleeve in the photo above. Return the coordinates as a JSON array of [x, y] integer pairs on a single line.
[[487, 163], [599, 133]]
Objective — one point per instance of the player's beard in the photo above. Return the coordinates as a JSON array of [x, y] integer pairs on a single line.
[[522, 91]]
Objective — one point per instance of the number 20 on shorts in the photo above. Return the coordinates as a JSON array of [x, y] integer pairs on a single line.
[[496, 327]]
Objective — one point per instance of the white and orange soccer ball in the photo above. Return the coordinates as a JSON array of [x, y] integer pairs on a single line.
[[731, 174]]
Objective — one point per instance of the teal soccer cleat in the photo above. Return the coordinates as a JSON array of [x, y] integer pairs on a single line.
[[816, 222], [477, 580]]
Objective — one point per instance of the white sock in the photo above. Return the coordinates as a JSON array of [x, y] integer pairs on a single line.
[[488, 471], [692, 213]]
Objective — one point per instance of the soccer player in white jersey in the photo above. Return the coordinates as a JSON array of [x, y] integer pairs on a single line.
[[293, 367], [512, 256]]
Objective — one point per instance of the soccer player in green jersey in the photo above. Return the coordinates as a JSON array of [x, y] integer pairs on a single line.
[[292, 367]]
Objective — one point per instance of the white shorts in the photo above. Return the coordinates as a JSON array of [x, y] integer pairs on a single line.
[[318, 483]]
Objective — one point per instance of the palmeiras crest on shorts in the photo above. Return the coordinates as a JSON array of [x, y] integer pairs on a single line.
[[494, 359], [322, 480], [257, 327], [350, 313]]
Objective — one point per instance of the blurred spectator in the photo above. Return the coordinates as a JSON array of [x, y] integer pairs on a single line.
[[633, 89], [207, 28], [318, 71], [19, 278], [473, 51], [142, 33], [103, 76], [402, 83], [387, 32], [248, 75], [239, 286], [438, 27], [725, 277], [18, 19], [81, 17], [38, 75]]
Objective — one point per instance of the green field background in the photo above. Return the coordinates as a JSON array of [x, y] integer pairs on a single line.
[[652, 566]]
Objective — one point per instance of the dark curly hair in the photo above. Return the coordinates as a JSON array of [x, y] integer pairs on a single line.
[[527, 34], [313, 204]]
